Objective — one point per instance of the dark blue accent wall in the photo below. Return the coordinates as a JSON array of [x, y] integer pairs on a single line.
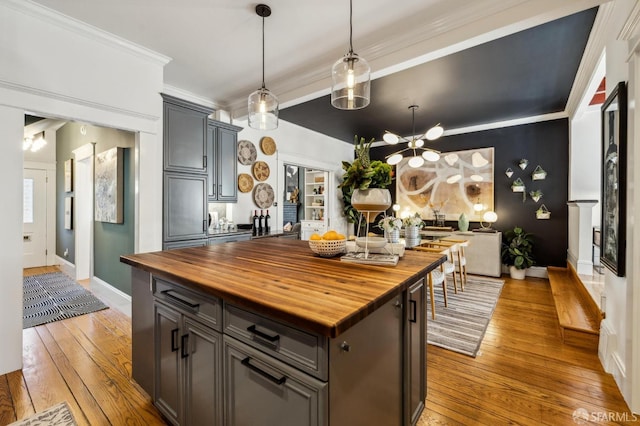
[[545, 143]]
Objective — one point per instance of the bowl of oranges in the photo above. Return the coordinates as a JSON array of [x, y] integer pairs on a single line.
[[329, 244]]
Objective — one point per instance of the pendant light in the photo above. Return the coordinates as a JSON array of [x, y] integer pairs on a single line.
[[414, 144], [263, 105], [350, 77]]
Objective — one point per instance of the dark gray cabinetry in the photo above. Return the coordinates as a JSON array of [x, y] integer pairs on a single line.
[[222, 162], [188, 357], [260, 390], [415, 352], [228, 238], [185, 207], [185, 136]]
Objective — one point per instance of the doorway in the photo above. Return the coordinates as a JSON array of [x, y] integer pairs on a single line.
[[34, 218]]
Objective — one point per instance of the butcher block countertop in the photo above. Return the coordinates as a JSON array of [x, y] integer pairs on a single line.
[[282, 279]]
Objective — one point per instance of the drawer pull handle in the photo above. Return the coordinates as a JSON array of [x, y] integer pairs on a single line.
[[184, 350], [254, 330], [171, 295], [414, 311], [174, 338], [247, 363]]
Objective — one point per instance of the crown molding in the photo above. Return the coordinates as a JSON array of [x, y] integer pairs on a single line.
[[83, 29], [191, 97], [631, 26]]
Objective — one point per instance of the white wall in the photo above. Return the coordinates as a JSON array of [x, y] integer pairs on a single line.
[[59, 68], [295, 145], [623, 293]]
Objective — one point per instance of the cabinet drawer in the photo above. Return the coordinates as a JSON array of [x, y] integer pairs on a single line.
[[300, 349], [315, 226], [207, 309], [260, 390]]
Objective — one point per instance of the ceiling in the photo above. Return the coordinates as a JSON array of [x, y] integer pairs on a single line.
[[463, 62]]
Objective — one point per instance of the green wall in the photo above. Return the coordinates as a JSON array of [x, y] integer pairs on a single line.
[[109, 240]]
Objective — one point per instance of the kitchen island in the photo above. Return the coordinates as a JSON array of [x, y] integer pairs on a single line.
[[264, 332]]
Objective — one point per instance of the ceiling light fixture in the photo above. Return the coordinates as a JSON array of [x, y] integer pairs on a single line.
[[34, 143], [350, 77], [413, 144], [263, 105]]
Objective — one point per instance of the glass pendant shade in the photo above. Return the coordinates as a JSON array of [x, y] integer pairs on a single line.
[[263, 110], [390, 138], [350, 82]]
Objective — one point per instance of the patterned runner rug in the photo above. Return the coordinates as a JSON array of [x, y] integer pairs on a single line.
[[460, 327], [58, 415], [54, 296]]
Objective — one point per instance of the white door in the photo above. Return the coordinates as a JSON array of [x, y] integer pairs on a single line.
[[34, 216]]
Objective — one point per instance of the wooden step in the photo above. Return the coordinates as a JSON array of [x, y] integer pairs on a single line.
[[578, 315]]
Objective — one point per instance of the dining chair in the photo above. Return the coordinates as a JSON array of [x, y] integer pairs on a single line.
[[435, 277], [461, 261], [450, 249]]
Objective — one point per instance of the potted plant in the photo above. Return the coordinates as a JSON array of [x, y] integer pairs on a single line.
[[517, 252], [362, 174], [391, 226]]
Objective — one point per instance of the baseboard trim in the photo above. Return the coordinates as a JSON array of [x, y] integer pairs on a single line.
[[118, 293], [66, 266]]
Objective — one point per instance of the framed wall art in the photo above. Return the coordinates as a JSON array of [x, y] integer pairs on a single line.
[[68, 213], [109, 186], [614, 173], [459, 182]]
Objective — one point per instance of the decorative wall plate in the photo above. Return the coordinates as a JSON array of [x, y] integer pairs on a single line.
[[268, 145], [260, 171], [263, 195], [245, 182], [247, 152]]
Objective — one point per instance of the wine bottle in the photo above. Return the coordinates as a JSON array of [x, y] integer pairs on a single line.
[[267, 225], [261, 223], [255, 223]]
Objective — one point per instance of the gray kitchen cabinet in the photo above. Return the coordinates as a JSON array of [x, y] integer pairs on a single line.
[[222, 169], [260, 390], [184, 136], [229, 238], [415, 352], [185, 207], [188, 359]]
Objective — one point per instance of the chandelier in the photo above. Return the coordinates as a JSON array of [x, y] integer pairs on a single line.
[[414, 144]]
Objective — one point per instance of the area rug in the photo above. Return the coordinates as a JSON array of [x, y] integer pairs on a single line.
[[54, 296], [58, 415], [460, 326]]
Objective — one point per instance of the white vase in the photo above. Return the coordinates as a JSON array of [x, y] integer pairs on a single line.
[[517, 274]]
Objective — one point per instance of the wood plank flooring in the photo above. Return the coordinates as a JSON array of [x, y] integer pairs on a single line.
[[522, 375]]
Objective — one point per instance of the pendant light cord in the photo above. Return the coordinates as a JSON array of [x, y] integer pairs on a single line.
[[263, 87], [350, 27]]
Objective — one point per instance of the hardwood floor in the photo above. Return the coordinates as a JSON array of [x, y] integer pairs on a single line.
[[522, 375]]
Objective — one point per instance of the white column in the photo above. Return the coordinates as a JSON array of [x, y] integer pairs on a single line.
[[580, 235]]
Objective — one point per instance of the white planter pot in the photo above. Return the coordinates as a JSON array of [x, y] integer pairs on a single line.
[[517, 274]]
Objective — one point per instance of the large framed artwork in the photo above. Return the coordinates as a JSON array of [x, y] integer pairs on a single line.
[[109, 186], [614, 172], [454, 184]]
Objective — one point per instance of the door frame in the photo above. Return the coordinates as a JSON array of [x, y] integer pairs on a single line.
[[83, 210]]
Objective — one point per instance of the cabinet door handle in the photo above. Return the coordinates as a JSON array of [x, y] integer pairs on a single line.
[[414, 315], [219, 189], [204, 161], [174, 338], [170, 294], [278, 381], [204, 225], [254, 330], [184, 350]]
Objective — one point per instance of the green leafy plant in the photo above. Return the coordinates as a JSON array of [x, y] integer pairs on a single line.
[[362, 174], [517, 248]]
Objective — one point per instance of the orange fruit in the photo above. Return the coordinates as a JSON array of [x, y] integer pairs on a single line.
[[340, 237], [315, 237], [330, 235]]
